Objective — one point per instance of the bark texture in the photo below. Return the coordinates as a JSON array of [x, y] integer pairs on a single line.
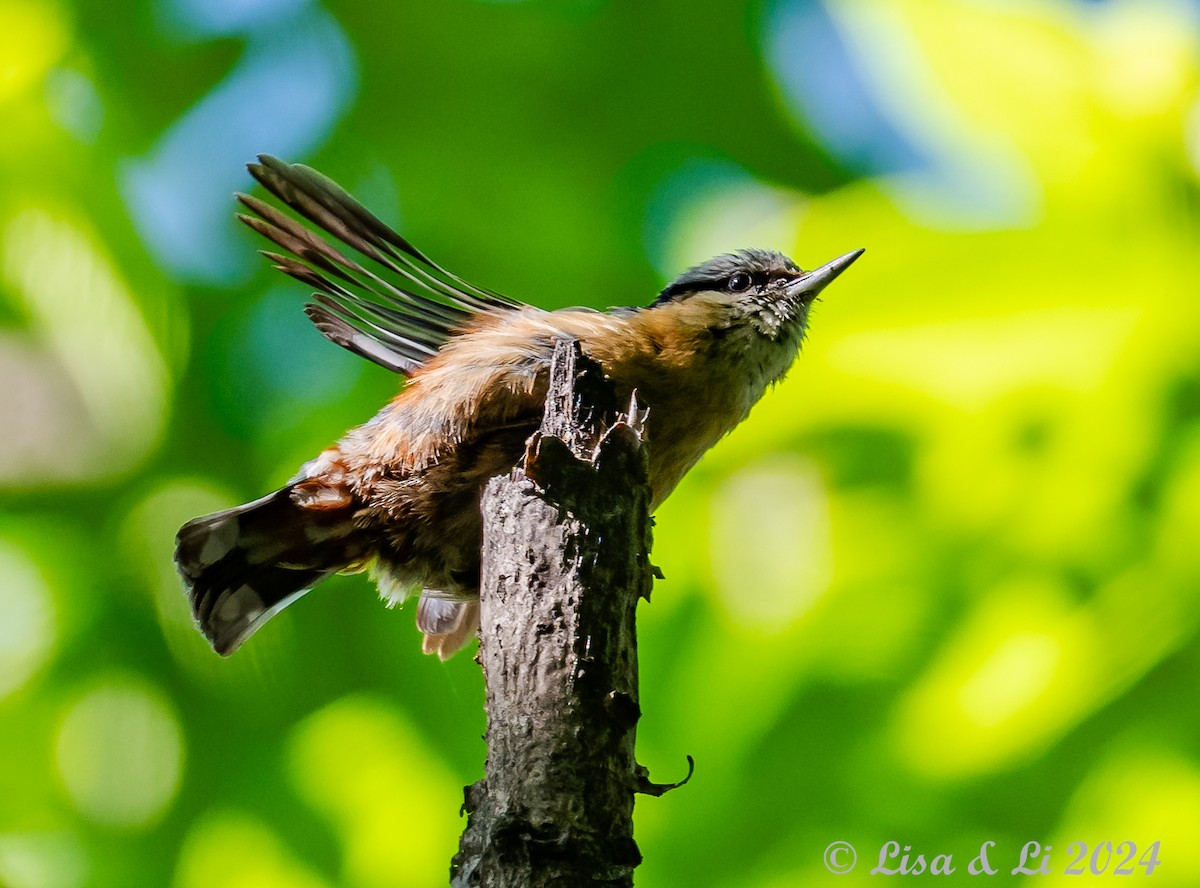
[[566, 547]]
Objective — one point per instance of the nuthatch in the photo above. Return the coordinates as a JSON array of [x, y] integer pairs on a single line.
[[400, 495]]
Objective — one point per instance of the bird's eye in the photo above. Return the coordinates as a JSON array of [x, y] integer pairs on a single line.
[[739, 282]]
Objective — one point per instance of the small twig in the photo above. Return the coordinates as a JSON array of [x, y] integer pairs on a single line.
[[645, 787]]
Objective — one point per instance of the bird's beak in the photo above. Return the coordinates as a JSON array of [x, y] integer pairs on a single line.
[[807, 286]]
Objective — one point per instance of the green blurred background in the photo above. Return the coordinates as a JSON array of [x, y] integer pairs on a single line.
[[940, 588]]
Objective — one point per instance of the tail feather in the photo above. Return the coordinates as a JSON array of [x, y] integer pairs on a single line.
[[244, 565]]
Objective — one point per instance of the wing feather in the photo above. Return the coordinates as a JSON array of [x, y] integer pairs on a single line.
[[340, 331], [397, 317]]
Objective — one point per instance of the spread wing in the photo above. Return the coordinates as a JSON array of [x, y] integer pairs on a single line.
[[399, 308]]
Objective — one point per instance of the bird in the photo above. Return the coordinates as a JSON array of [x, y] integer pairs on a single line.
[[399, 496]]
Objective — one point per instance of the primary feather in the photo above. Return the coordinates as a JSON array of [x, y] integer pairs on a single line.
[[398, 316]]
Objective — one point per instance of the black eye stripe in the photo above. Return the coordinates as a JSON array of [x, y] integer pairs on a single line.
[[759, 278], [684, 288]]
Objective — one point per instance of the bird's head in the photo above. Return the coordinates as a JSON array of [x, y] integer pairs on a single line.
[[762, 290]]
